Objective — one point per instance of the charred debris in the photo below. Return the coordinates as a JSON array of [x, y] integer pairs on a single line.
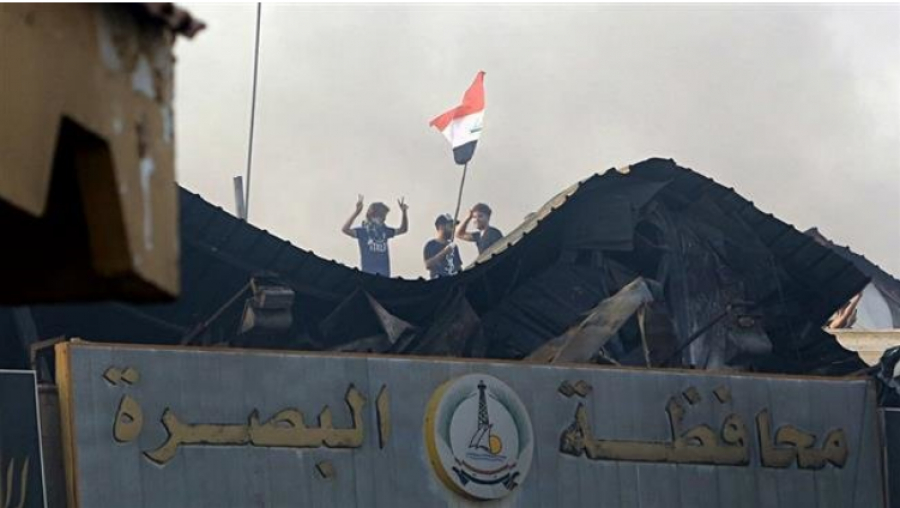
[[653, 265]]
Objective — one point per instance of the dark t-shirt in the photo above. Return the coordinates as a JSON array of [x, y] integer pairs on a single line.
[[487, 238], [452, 263], [373, 248]]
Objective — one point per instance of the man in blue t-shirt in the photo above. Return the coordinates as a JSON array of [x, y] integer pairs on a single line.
[[441, 255], [484, 235], [373, 235]]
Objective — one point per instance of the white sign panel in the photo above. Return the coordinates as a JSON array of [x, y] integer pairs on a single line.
[[235, 428]]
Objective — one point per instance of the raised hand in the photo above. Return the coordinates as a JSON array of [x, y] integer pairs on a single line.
[[359, 203], [403, 206]]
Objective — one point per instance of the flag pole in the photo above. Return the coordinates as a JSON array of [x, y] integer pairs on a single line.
[[252, 113], [462, 182]]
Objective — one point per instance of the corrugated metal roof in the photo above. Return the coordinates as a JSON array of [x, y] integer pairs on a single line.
[[886, 282], [807, 262], [212, 228], [530, 223], [818, 278], [523, 288]]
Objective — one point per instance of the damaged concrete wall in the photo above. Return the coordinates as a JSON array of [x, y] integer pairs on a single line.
[[86, 154]]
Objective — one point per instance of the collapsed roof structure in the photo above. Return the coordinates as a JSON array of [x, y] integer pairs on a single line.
[[877, 306], [651, 265]]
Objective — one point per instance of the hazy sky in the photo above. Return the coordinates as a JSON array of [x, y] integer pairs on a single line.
[[796, 107]]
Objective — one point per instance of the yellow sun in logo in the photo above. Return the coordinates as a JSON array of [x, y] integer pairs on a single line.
[[496, 444]]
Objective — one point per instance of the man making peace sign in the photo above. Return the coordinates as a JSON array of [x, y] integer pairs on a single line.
[[374, 234]]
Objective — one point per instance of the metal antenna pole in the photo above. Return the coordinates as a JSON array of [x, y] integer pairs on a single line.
[[252, 111]]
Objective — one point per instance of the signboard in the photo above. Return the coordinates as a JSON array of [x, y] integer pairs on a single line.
[[185, 427], [21, 466], [892, 454]]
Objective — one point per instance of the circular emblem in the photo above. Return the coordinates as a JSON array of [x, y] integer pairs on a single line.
[[478, 436]]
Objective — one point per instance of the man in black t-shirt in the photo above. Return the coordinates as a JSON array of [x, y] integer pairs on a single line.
[[484, 235], [373, 236], [441, 255]]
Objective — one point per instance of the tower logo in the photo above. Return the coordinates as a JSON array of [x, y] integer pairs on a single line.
[[478, 436]]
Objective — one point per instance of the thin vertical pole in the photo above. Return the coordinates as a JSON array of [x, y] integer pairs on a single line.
[[239, 208], [252, 111], [459, 199]]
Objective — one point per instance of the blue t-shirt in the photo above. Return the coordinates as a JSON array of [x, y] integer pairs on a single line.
[[450, 265], [373, 248], [486, 238]]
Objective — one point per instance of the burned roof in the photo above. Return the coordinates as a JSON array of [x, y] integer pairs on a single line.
[[708, 250], [886, 283]]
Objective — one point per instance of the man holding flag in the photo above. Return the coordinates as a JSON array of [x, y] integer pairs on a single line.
[[462, 127], [440, 253]]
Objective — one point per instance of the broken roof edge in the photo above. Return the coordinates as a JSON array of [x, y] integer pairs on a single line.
[[802, 256], [875, 272], [534, 219], [197, 197], [176, 19], [814, 266]]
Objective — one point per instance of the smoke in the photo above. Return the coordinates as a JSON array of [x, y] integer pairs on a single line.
[[796, 107]]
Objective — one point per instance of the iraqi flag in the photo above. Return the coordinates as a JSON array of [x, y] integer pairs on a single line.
[[462, 124]]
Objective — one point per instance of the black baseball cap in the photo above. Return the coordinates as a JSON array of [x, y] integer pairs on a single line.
[[443, 219]]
